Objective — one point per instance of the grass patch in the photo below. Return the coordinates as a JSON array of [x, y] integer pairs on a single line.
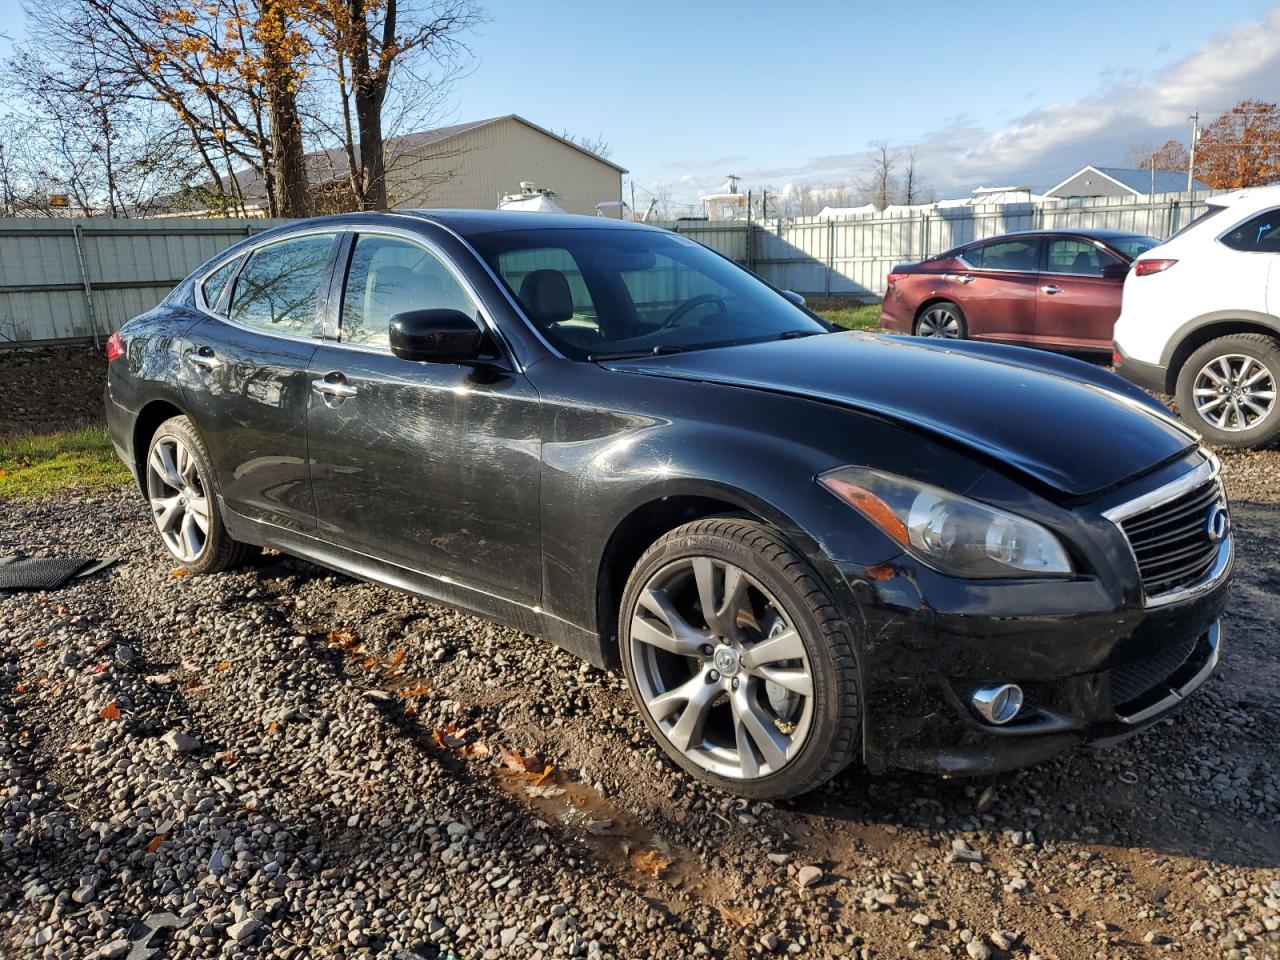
[[851, 316], [40, 465]]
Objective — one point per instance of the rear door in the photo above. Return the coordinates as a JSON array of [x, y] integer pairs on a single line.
[[1076, 306], [248, 386], [432, 466], [999, 302]]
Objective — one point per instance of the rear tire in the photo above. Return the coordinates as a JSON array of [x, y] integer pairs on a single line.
[[943, 320], [178, 479], [1227, 390], [770, 675]]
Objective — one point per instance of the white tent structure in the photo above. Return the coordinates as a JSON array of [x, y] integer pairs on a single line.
[[531, 199], [831, 213]]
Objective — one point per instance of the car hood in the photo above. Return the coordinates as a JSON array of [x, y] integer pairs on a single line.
[[1068, 424]]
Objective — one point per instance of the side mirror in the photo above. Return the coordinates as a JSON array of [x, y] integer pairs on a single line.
[[436, 336], [794, 297], [1115, 271]]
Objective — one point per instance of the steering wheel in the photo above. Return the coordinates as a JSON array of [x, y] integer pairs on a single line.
[[692, 303]]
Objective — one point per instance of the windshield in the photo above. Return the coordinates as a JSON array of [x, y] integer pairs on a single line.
[[1133, 247], [598, 293]]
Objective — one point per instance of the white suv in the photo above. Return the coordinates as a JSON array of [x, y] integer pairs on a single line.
[[1200, 319]]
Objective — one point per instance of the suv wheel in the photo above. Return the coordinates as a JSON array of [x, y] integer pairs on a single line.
[[741, 667], [1227, 390], [943, 320], [179, 483]]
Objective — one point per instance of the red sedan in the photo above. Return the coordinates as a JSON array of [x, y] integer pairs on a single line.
[[1056, 289]]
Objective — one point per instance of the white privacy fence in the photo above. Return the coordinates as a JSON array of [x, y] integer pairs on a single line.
[[853, 255], [68, 280]]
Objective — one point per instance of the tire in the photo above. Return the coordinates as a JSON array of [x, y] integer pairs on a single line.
[[942, 316], [178, 481], [1227, 390], [748, 696]]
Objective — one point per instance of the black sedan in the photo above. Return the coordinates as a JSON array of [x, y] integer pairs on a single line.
[[802, 546]]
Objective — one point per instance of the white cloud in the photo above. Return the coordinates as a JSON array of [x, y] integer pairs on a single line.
[[1047, 143]]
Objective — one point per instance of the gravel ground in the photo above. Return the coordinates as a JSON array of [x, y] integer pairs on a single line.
[[283, 762]]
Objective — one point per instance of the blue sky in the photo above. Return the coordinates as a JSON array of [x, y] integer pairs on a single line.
[[991, 93]]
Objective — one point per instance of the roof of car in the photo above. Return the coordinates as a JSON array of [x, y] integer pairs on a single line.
[[472, 222], [1089, 233]]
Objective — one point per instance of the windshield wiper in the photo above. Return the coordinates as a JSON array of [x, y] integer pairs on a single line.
[[797, 334], [634, 354]]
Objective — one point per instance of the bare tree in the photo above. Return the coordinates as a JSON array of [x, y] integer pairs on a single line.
[[597, 144], [913, 189], [879, 186]]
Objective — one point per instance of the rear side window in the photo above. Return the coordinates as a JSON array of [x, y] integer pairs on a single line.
[[389, 275], [1021, 255], [279, 288], [217, 281], [1259, 235]]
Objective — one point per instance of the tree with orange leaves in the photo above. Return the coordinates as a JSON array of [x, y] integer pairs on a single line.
[[1241, 148]]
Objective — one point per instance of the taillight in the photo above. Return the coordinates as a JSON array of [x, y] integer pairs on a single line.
[[1143, 268], [1116, 359], [893, 278], [115, 347]]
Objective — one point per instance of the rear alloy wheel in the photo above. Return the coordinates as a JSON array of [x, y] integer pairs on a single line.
[[943, 321], [1227, 390], [737, 660], [181, 496]]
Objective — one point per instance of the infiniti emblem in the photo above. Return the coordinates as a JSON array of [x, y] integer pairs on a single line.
[[1218, 523]]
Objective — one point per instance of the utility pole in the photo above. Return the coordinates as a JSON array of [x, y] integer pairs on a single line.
[[1191, 156], [633, 199], [1153, 176]]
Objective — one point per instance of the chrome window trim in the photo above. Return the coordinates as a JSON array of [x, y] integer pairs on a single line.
[[400, 233], [1207, 471], [245, 253]]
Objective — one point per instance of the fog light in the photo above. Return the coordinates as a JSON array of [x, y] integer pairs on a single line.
[[998, 704]]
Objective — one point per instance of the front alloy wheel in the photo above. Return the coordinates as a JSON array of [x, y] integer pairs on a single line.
[[737, 661]]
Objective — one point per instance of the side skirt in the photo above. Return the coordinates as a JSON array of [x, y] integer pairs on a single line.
[[434, 587]]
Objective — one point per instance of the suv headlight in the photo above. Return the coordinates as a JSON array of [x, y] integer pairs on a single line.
[[951, 533]]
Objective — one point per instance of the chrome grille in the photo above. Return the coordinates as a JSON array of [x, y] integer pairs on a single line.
[[1171, 540]]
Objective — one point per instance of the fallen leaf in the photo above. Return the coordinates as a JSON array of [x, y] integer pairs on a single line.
[[578, 801], [40, 644], [600, 828], [22, 688], [395, 659], [110, 712], [519, 764], [273, 726], [650, 862], [474, 750], [544, 792], [77, 748], [179, 572], [192, 682], [227, 756], [542, 777], [154, 845], [223, 665], [448, 739], [421, 690], [734, 916]]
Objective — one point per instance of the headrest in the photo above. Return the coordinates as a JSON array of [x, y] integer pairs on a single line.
[[545, 294]]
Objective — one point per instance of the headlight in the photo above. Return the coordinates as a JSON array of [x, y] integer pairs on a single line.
[[950, 533]]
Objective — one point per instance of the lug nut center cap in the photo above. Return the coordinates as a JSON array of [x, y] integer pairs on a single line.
[[726, 661]]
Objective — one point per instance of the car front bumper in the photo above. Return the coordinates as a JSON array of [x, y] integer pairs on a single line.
[[1093, 675]]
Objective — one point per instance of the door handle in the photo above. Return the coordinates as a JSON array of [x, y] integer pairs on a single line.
[[1050, 289], [960, 277], [205, 358], [334, 388]]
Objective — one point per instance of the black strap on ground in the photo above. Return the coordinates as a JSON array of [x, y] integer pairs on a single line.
[[47, 573]]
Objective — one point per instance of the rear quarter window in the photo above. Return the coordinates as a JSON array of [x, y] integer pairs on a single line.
[[1260, 234]]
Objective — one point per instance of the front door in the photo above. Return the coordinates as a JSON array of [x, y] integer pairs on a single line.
[[247, 382], [1076, 305], [999, 303], [432, 466]]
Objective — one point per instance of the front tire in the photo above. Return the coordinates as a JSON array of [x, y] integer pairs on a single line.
[[759, 696], [1227, 390], [943, 320], [178, 477]]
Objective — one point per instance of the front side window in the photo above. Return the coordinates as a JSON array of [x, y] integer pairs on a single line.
[[1076, 258], [217, 281], [1258, 235], [390, 275], [279, 288], [603, 292]]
